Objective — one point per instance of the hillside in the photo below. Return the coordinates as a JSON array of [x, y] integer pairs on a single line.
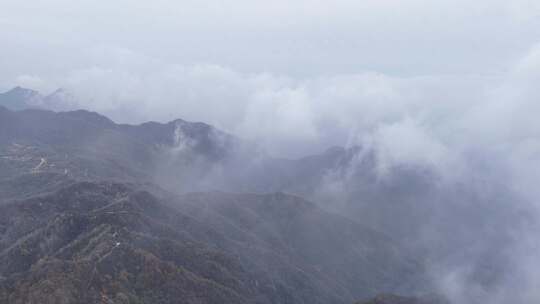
[[92, 211], [91, 241]]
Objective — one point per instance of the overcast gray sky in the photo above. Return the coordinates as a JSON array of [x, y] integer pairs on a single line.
[[300, 38]]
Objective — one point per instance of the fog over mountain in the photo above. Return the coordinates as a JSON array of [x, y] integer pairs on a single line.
[[285, 152]]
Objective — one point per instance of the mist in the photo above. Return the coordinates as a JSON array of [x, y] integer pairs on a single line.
[[416, 118]]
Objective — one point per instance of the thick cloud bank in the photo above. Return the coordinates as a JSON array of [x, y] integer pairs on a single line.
[[432, 119]]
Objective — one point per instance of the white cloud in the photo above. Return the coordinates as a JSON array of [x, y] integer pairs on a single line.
[[29, 81], [407, 142]]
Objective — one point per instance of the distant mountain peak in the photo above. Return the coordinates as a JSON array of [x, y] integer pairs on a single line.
[[178, 122], [20, 90], [89, 116], [20, 98], [61, 100], [60, 92]]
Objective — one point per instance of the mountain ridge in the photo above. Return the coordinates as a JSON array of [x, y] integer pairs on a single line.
[[74, 215], [68, 179]]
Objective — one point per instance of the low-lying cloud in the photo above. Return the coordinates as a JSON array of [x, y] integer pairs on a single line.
[[441, 115]]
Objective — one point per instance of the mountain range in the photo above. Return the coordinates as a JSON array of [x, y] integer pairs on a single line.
[[180, 212]]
